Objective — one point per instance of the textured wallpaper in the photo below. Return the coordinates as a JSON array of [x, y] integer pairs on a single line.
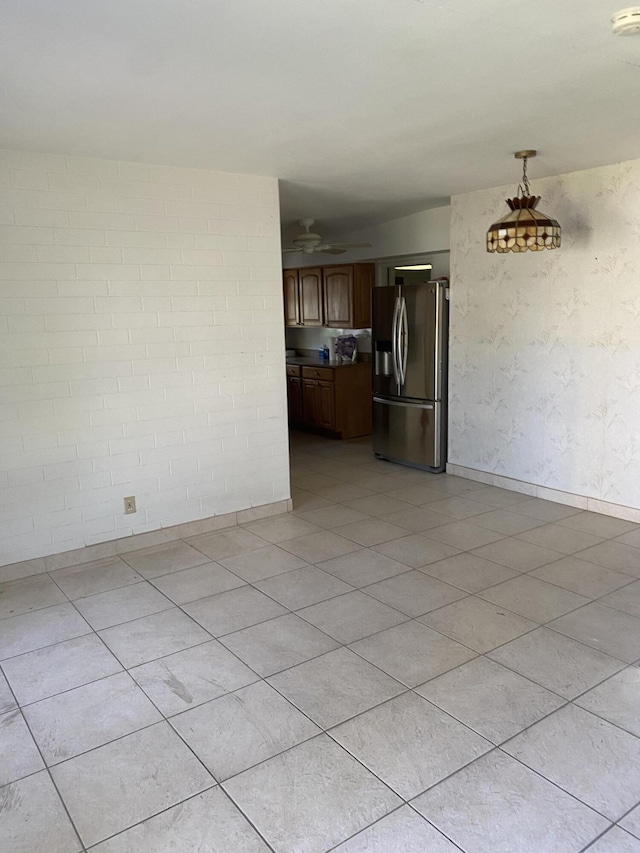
[[545, 346]]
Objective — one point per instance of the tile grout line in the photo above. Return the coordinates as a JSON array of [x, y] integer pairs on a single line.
[[323, 731], [493, 748], [403, 805], [422, 533], [466, 494], [294, 613], [141, 728], [47, 769], [342, 645], [564, 699], [409, 618], [167, 809]]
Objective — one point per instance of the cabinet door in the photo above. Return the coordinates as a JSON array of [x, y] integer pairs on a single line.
[[338, 297], [325, 405], [310, 411], [363, 283], [294, 395], [310, 290], [291, 298]]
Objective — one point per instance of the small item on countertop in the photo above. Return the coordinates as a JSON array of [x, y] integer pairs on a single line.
[[347, 349], [363, 339]]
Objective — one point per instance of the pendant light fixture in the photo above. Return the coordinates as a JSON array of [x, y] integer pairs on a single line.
[[523, 227], [626, 22]]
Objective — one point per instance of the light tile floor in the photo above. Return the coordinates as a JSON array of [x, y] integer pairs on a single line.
[[408, 662]]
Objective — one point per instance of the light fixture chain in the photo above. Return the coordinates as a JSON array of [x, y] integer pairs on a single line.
[[525, 179]]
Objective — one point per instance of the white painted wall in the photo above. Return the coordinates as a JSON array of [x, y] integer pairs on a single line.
[[141, 349], [545, 346], [424, 232]]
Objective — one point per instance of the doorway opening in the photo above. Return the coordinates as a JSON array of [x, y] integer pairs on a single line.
[[412, 269]]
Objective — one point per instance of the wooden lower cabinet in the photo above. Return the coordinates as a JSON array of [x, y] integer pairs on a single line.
[[326, 411], [334, 400], [310, 403], [318, 404], [294, 396]]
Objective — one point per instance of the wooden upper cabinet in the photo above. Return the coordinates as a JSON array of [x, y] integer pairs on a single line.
[[291, 298], [334, 296], [364, 277], [347, 296], [310, 294], [338, 297]]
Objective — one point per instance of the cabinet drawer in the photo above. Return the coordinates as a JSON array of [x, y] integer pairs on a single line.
[[293, 370], [323, 373]]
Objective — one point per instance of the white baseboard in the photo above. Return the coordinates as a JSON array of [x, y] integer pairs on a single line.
[[15, 571], [535, 491]]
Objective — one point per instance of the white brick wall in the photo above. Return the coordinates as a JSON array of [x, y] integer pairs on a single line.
[[141, 349]]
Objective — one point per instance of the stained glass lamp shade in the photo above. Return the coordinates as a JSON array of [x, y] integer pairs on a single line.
[[523, 228]]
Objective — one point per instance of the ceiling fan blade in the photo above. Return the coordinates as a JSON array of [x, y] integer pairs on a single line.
[[352, 245], [330, 251]]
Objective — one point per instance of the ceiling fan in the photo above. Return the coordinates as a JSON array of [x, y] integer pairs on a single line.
[[310, 243]]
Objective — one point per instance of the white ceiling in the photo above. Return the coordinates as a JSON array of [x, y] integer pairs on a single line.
[[366, 109]]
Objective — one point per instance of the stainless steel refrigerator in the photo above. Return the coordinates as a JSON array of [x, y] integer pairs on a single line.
[[409, 332]]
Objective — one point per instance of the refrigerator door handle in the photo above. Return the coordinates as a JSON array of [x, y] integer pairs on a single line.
[[437, 379], [403, 337], [395, 341], [401, 404]]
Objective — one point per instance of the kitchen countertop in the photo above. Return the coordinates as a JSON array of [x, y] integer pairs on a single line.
[[306, 361]]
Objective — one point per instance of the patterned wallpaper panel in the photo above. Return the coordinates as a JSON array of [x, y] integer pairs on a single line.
[[545, 346]]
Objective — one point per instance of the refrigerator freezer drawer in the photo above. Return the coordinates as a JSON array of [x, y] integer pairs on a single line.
[[411, 433]]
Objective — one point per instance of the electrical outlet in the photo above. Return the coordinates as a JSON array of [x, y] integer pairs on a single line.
[[130, 505]]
